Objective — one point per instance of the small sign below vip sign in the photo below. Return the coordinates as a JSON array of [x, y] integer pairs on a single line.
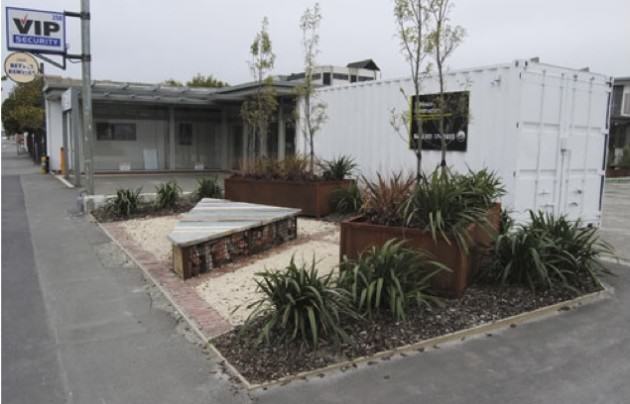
[[36, 31], [21, 67]]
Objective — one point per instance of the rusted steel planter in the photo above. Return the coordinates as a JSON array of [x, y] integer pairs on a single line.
[[312, 197], [357, 235], [483, 237]]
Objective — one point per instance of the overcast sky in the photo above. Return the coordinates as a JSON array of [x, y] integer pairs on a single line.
[[150, 41]]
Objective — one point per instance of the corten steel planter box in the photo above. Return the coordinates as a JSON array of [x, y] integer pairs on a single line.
[[483, 237], [357, 235], [312, 197]]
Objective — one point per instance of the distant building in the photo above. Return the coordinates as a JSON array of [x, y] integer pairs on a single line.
[[619, 143], [364, 70], [156, 127]]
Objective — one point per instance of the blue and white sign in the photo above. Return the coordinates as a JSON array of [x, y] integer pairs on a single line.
[[36, 30]]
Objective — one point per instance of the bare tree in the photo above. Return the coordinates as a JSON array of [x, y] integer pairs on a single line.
[[442, 41], [412, 23], [258, 109], [313, 112]]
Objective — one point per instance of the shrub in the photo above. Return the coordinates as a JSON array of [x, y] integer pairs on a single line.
[[292, 168], [390, 276], [346, 200], [440, 204], [481, 188], [167, 195], [125, 203], [297, 303], [548, 252], [208, 188], [582, 243], [295, 168], [338, 168], [384, 199], [506, 223]]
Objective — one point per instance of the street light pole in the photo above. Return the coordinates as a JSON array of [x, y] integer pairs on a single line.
[[86, 95]]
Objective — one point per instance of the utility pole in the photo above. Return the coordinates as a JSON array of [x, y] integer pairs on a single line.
[[86, 96]]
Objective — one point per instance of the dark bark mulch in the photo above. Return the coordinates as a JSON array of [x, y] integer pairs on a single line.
[[146, 210], [481, 304]]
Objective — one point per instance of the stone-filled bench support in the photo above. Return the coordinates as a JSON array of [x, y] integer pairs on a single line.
[[196, 259], [217, 231]]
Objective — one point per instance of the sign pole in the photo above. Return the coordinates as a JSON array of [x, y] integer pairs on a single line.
[[86, 92]]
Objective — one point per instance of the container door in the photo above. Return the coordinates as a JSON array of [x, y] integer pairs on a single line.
[[561, 138]]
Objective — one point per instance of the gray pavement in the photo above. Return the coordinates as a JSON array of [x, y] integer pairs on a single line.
[[80, 324], [616, 217]]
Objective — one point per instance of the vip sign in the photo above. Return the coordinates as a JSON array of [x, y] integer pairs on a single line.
[[36, 31]]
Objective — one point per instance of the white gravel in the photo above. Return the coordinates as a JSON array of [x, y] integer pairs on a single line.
[[151, 234], [230, 293]]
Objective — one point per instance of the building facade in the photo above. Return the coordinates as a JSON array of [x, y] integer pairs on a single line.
[[619, 144], [154, 127]]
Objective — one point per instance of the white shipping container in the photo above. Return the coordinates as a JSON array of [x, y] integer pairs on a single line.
[[542, 128]]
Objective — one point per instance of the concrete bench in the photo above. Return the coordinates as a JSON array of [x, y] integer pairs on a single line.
[[217, 231]]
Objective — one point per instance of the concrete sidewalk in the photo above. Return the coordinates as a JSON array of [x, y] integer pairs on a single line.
[[616, 217], [80, 324]]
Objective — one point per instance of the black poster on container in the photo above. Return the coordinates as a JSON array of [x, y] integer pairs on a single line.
[[453, 109]]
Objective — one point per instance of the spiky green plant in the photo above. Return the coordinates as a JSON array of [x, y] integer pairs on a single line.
[[208, 187], [481, 188], [506, 222], [125, 203], [549, 252], [167, 195], [391, 276], [338, 168], [384, 199], [347, 199], [298, 303], [440, 205], [582, 243]]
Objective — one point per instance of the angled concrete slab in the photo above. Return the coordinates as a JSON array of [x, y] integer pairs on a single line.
[[211, 219]]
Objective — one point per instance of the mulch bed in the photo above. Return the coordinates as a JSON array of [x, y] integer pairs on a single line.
[[146, 210], [481, 304]]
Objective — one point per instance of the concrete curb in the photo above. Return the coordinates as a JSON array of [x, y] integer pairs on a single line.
[[100, 200], [64, 181], [615, 260], [457, 336]]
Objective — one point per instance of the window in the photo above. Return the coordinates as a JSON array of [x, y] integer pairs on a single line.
[[115, 131], [185, 134], [353, 78], [625, 105], [327, 80]]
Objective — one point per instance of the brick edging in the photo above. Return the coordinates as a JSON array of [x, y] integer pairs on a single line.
[[207, 323]]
